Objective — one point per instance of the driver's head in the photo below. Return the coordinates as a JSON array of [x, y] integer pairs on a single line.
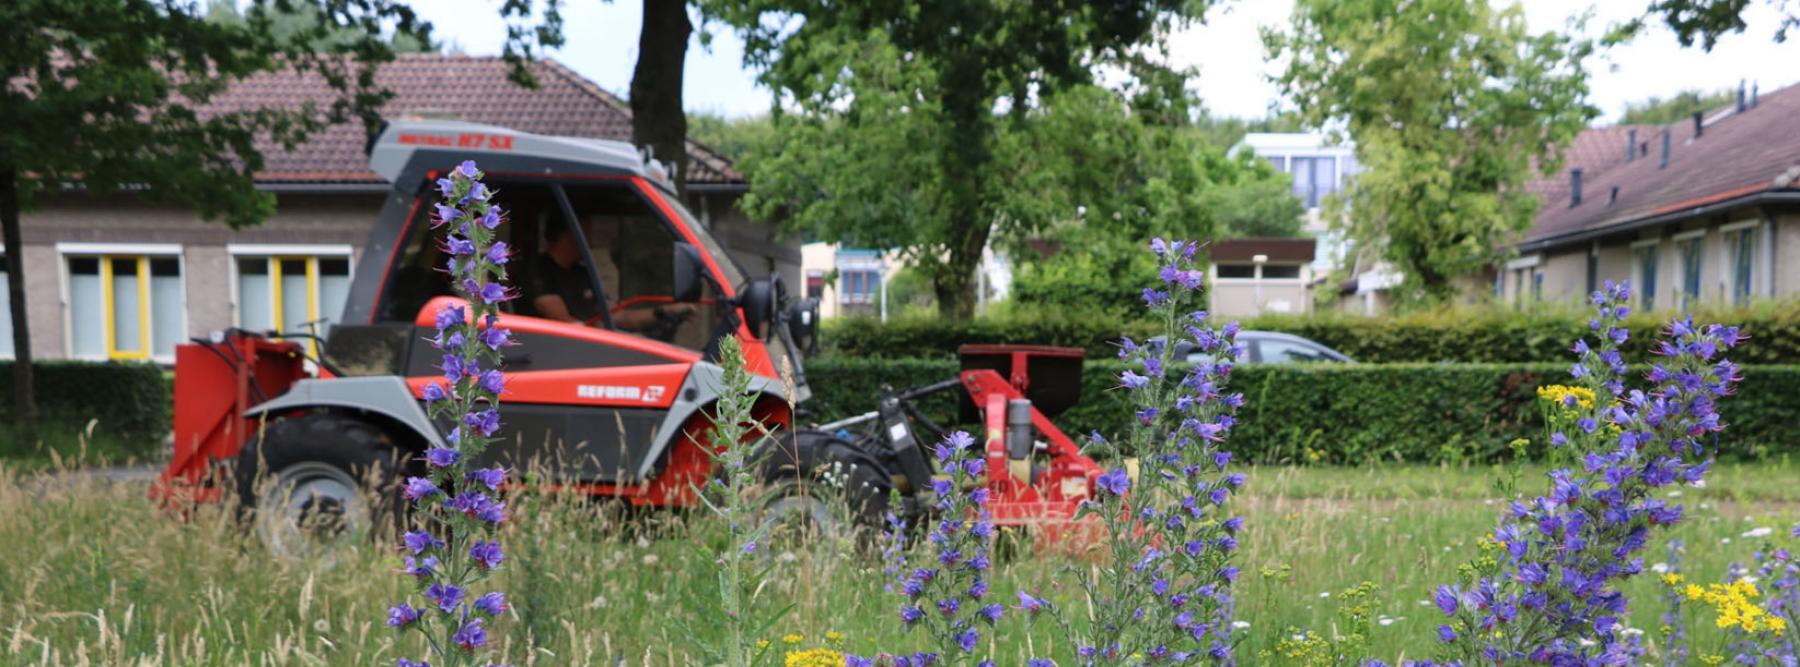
[[562, 245]]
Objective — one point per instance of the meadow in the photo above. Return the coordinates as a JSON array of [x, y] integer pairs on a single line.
[[93, 573]]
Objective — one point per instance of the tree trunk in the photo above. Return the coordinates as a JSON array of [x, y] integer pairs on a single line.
[[965, 166], [24, 398], [657, 117]]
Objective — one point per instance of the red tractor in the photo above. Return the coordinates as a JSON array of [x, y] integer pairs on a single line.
[[608, 395]]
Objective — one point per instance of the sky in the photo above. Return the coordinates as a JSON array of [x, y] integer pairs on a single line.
[[1227, 49]]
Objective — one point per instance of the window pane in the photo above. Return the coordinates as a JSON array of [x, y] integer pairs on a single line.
[[1237, 271], [1279, 162], [294, 295], [633, 250], [1690, 272], [1281, 271], [127, 329], [1302, 169], [165, 306], [1281, 351], [334, 287], [1742, 270], [255, 310], [1324, 178], [6, 333], [1647, 276], [87, 316]]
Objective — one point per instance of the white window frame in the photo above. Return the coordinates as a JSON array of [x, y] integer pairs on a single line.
[[1257, 277], [283, 251], [104, 252]]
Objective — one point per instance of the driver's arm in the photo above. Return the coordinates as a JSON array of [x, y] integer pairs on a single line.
[[551, 306]]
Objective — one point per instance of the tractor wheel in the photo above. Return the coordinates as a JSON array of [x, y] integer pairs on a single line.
[[821, 483], [320, 482]]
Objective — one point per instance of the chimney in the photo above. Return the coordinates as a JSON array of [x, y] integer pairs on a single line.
[[1741, 101], [1574, 187], [1630, 144], [1699, 123], [1614, 196], [1665, 153], [1754, 87]]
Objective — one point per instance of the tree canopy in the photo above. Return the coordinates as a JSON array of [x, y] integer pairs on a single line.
[[1453, 105], [898, 116], [1680, 106]]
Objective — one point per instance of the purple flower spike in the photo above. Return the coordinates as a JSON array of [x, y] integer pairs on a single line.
[[491, 478], [446, 596], [419, 487], [492, 604], [402, 615], [470, 636], [467, 169]]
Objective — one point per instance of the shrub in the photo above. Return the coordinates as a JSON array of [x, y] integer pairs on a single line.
[[1353, 413], [130, 400], [1470, 335]]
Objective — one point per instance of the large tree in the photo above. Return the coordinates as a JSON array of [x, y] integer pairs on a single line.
[[910, 100], [1705, 21], [110, 95], [1453, 105]]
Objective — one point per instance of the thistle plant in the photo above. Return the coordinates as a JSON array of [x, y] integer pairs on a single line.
[[1553, 594], [1166, 592], [730, 496], [456, 511], [946, 597]]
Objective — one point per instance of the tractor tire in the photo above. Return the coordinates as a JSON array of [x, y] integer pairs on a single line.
[[825, 480], [320, 482]]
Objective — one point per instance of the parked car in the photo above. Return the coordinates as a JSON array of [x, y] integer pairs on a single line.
[[1272, 347]]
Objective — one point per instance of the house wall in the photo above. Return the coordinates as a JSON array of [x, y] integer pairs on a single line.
[[1776, 270], [1239, 297]]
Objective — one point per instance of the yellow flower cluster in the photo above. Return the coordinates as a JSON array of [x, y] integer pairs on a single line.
[[1734, 606], [1555, 393], [818, 657]]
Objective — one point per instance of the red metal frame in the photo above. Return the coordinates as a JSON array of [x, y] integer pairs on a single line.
[[214, 391]]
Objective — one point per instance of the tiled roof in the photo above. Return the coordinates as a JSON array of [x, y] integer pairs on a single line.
[[1735, 156], [1594, 151], [453, 87]]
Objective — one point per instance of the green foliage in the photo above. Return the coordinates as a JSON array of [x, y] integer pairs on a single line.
[[1228, 132], [1454, 106], [894, 140], [1107, 282], [1679, 107], [1342, 413], [732, 137], [130, 401], [1260, 206], [1704, 20], [1452, 334]]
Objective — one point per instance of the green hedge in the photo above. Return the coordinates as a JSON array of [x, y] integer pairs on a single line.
[[129, 400], [1461, 335], [1354, 413]]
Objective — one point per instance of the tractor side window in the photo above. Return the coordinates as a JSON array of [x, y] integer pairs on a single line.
[[422, 271], [633, 251]]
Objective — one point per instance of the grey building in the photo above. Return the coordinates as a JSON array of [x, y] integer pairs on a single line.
[[118, 278]]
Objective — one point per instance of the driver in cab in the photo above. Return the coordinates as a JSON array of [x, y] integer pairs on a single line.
[[558, 288]]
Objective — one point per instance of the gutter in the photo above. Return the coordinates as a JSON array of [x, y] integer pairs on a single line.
[[1757, 198], [726, 188]]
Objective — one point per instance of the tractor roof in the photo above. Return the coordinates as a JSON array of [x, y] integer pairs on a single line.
[[401, 140]]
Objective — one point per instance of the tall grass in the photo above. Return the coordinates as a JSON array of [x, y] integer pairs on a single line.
[[93, 573]]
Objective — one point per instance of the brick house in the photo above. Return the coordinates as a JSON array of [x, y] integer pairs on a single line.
[[116, 277], [1703, 212]]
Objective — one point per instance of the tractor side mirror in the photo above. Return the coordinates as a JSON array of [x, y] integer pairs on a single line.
[[688, 276], [803, 324], [758, 302]]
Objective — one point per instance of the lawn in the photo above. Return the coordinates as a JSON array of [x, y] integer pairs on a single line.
[[92, 573]]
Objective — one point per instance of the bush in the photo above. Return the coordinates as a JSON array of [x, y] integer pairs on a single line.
[[1327, 413], [1468, 335], [129, 400]]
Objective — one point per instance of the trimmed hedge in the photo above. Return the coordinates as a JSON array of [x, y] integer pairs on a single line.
[[1467, 335], [130, 400], [1344, 413]]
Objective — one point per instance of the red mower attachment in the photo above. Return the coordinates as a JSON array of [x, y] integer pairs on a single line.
[[216, 384]]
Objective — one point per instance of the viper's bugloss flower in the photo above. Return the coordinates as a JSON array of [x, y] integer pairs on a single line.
[[491, 219], [492, 604], [434, 392], [487, 422], [491, 478], [417, 541], [486, 554], [403, 662], [402, 615], [471, 635], [442, 457], [495, 337], [420, 487], [459, 247], [1114, 481], [447, 597]]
